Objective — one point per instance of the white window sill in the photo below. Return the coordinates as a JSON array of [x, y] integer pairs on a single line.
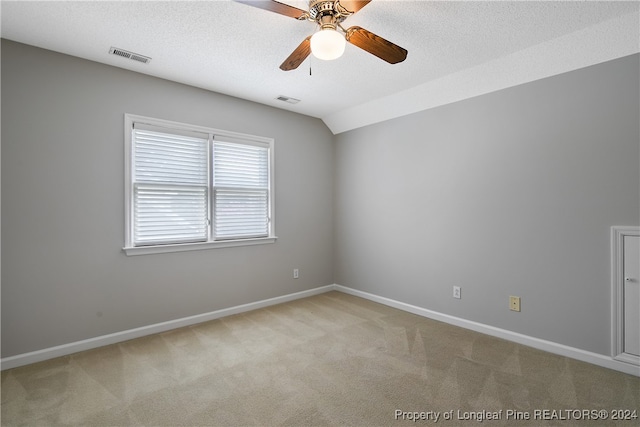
[[159, 249]]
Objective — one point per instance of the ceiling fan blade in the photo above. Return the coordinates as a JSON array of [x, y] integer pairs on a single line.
[[297, 56], [376, 45], [277, 7], [354, 5]]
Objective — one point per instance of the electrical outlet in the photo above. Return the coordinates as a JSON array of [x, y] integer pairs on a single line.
[[514, 303], [457, 292], [296, 273]]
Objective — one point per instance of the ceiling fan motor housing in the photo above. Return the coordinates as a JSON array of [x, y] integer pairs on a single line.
[[326, 13]]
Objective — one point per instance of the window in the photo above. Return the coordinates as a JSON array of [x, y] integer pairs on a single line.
[[190, 187]]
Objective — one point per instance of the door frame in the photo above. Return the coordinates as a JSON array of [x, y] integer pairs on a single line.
[[617, 293]]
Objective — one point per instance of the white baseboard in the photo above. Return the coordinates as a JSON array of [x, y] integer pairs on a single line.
[[549, 346], [91, 343]]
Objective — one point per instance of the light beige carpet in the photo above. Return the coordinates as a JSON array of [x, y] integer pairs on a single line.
[[332, 359]]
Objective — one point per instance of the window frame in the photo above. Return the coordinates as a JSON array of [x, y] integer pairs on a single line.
[[129, 247]]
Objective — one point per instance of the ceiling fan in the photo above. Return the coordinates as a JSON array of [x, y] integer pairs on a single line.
[[328, 43]]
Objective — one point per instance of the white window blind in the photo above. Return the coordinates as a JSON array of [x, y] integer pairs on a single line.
[[170, 188], [189, 187], [241, 190]]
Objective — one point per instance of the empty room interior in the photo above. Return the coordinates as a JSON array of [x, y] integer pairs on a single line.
[[207, 222]]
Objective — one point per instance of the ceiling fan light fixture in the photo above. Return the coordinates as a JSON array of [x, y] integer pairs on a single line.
[[327, 44]]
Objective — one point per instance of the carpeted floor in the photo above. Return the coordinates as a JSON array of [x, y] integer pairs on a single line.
[[331, 359]]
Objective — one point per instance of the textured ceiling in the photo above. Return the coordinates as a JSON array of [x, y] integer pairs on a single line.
[[456, 49]]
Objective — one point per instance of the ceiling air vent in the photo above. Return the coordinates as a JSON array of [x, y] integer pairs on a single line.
[[288, 99], [129, 55]]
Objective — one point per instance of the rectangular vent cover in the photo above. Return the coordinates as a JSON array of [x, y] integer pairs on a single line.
[[288, 99], [129, 55]]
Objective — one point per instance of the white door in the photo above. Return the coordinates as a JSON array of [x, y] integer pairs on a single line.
[[632, 295]]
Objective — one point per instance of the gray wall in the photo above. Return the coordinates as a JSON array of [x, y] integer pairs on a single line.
[[64, 275], [510, 193]]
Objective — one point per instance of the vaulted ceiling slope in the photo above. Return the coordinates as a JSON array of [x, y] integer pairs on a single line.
[[456, 49]]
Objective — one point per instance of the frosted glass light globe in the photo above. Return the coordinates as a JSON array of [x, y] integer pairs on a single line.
[[327, 44]]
